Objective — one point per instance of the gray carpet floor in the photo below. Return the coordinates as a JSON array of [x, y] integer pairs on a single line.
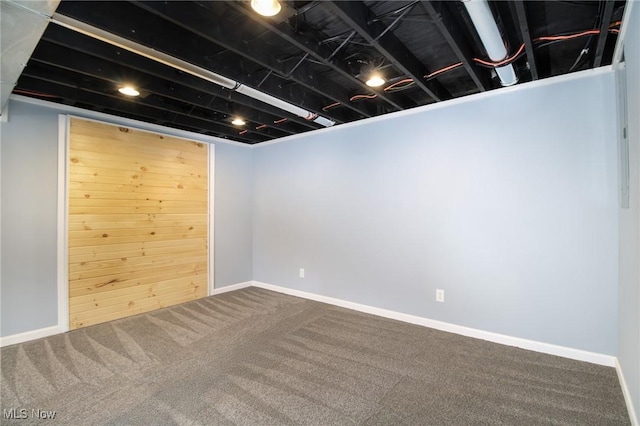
[[255, 357]]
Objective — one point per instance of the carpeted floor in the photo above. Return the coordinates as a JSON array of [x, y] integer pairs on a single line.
[[255, 357]]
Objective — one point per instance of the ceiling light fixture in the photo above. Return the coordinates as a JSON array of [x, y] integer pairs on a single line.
[[184, 66], [487, 29], [375, 80], [238, 121], [129, 91], [266, 7]]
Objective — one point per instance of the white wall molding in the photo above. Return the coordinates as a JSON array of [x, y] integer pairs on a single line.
[[232, 287], [62, 234], [29, 335], [211, 224], [532, 345], [633, 416]]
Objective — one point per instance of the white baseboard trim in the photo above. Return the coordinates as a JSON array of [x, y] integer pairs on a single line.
[[577, 354], [633, 416], [231, 287], [29, 335], [532, 345]]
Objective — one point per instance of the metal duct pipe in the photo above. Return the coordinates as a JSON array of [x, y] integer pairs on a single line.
[[487, 29], [185, 66]]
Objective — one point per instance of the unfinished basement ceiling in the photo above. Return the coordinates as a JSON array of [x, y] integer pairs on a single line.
[[315, 55]]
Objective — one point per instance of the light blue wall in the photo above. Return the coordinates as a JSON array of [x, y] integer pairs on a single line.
[[507, 201], [233, 215], [28, 290], [629, 330]]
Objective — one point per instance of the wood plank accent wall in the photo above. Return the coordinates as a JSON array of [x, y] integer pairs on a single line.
[[138, 221]]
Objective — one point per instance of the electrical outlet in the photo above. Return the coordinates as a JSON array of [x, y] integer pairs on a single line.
[[440, 295], [301, 272]]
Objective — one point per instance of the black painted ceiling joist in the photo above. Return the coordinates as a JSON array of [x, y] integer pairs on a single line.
[[521, 14], [450, 30], [356, 15], [605, 21]]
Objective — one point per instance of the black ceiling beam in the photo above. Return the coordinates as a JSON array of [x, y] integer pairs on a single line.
[[521, 15], [64, 84], [604, 31], [356, 14], [450, 30], [311, 47], [115, 75], [231, 37], [69, 39]]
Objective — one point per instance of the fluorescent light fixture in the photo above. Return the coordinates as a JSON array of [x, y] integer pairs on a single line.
[[129, 91], [375, 81], [238, 121], [266, 7], [184, 66], [487, 29]]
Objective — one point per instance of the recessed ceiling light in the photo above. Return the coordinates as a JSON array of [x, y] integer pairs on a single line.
[[238, 121], [375, 81], [266, 7], [129, 91]]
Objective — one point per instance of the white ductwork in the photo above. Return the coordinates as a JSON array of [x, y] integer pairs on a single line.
[[487, 29]]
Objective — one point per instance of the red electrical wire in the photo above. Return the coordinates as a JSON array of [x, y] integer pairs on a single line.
[[358, 97], [262, 126], [512, 58], [505, 61], [568, 36], [335, 104], [282, 120], [29, 92], [441, 70], [406, 82], [242, 132]]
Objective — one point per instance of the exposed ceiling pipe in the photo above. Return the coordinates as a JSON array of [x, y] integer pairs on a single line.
[[482, 18], [185, 66]]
